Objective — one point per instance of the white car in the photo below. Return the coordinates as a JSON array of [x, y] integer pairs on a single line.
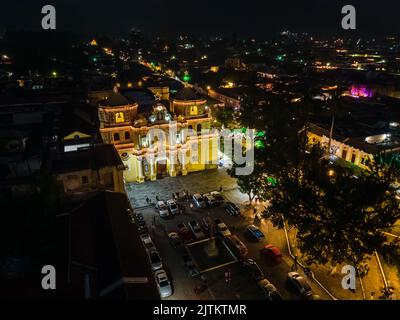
[[199, 201], [162, 209], [196, 229], [210, 200], [269, 290], [155, 260], [173, 207], [223, 229], [217, 196], [163, 284], [148, 242]]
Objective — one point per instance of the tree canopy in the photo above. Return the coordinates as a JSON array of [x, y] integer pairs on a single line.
[[339, 216]]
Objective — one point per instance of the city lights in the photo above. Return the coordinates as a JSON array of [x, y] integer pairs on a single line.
[[149, 156]]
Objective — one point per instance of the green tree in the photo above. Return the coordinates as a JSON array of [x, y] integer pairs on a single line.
[[279, 142], [224, 118], [250, 184], [340, 217]]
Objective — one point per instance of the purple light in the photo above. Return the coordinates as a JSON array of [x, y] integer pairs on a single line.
[[361, 92]]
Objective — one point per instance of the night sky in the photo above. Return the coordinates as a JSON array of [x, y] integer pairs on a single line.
[[259, 18]]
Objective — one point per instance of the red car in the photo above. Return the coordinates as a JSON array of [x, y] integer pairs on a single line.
[[184, 232], [272, 253]]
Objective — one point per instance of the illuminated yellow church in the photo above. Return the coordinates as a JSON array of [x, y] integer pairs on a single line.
[[160, 142]]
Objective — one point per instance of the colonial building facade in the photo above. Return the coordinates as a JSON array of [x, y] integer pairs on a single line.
[[354, 151], [160, 142]]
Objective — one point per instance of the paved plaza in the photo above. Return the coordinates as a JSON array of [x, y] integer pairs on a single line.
[[202, 182]]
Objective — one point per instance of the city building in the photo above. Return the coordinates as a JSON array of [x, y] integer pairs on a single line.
[[89, 170], [353, 150], [96, 262], [187, 145]]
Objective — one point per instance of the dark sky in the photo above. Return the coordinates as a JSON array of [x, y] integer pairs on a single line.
[[260, 18]]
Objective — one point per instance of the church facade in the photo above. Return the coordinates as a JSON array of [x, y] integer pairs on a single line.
[[162, 141]]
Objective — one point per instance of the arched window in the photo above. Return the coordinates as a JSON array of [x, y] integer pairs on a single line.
[[116, 136], [127, 135]]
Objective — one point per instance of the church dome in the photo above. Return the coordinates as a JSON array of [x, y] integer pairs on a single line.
[[186, 94], [115, 100]]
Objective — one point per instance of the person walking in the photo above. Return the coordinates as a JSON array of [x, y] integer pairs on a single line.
[[147, 200], [228, 277]]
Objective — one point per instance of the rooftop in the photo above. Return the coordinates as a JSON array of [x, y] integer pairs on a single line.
[[186, 94], [104, 244], [115, 100], [97, 157]]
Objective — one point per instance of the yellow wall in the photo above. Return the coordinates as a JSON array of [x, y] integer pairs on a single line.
[[360, 155]]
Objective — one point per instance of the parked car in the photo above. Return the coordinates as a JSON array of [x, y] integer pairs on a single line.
[[148, 242], [217, 196], [183, 232], [199, 201], [232, 209], [173, 207], [299, 285], [174, 239], [269, 290], [255, 233], [237, 246], [142, 229], [140, 223], [204, 222], [210, 200], [162, 209], [190, 266], [155, 260], [163, 284], [192, 271], [222, 228], [139, 217], [253, 269], [272, 253], [196, 229]]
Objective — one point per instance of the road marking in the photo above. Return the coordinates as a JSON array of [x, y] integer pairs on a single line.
[[381, 270]]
